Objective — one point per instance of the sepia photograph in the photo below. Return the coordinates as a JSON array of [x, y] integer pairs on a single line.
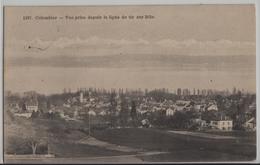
[[129, 83]]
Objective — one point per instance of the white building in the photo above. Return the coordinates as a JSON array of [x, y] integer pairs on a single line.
[[170, 112], [32, 105], [213, 107], [250, 124], [225, 125]]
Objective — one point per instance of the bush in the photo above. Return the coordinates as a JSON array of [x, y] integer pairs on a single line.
[[16, 145]]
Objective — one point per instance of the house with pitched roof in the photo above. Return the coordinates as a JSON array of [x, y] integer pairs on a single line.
[[32, 105], [222, 123], [250, 124]]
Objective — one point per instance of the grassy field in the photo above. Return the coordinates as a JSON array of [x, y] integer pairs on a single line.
[[63, 137], [82, 150], [180, 147], [245, 136]]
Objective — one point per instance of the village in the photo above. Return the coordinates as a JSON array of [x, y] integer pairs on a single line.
[[199, 110]]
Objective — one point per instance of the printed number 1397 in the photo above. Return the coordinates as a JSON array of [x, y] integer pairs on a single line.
[[27, 17]]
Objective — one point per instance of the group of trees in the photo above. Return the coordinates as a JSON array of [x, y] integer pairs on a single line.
[[180, 120], [25, 138], [128, 115], [161, 95], [237, 107], [124, 116]]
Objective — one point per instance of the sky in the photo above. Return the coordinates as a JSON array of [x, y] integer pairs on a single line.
[[187, 46]]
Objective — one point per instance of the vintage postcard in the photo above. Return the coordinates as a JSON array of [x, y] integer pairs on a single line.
[[130, 84]]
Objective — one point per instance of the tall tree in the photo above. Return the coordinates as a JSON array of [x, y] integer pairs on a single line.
[[23, 107], [133, 113], [133, 110], [112, 109], [124, 114]]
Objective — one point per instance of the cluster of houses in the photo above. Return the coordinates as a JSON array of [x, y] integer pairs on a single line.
[[99, 107], [171, 107], [30, 106]]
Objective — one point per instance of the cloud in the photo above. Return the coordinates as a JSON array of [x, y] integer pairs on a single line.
[[95, 52], [65, 42], [217, 47], [96, 46], [192, 43]]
